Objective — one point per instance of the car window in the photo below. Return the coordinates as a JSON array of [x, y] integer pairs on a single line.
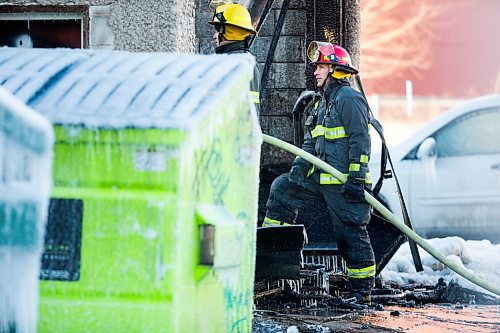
[[474, 133]]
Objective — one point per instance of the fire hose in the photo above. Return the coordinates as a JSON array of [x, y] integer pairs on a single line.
[[393, 219]]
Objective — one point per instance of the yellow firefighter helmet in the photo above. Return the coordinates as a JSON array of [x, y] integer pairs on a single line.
[[233, 21]]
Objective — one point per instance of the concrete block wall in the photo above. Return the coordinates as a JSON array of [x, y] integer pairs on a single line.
[[286, 77], [287, 72], [204, 31]]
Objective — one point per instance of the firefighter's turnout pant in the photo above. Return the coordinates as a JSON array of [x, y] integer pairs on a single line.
[[349, 222]]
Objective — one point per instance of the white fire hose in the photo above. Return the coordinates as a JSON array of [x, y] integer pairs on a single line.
[[396, 221]]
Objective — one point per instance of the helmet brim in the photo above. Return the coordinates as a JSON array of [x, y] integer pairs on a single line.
[[234, 25], [342, 68], [346, 69], [315, 63]]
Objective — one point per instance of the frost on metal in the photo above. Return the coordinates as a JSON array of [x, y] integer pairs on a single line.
[[156, 170], [26, 140], [147, 90]]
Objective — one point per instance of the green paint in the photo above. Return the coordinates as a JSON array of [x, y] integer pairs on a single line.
[[145, 193]]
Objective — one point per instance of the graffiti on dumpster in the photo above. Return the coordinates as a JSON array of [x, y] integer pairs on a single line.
[[237, 305], [219, 162], [221, 168], [245, 149], [212, 168]]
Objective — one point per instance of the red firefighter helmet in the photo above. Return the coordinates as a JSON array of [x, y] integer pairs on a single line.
[[328, 53]]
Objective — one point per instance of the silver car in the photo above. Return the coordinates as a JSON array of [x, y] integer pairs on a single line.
[[449, 172]]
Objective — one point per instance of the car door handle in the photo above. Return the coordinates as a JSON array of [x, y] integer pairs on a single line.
[[496, 166]]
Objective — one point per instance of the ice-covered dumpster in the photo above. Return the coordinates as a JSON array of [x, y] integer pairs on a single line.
[[26, 141], [152, 219]]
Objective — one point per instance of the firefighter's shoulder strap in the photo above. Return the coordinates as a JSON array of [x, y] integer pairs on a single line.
[[385, 156]]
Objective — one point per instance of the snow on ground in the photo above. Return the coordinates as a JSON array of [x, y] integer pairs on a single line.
[[480, 257]]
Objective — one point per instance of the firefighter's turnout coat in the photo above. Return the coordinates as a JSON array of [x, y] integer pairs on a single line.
[[338, 133], [241, 47]]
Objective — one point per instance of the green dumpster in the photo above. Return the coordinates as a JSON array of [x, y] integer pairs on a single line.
[[152, 220], [26, 141]]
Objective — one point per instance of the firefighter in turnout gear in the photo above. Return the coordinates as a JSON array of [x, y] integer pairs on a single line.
[[233, 30], [337, 133]]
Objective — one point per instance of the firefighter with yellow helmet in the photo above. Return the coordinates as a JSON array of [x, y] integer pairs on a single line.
[[337, 133], [233, 31]]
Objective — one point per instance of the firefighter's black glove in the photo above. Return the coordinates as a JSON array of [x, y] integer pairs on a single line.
[[353, 190], [297, 175]]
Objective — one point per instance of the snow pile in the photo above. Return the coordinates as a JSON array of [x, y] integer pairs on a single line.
[[480, 257]]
